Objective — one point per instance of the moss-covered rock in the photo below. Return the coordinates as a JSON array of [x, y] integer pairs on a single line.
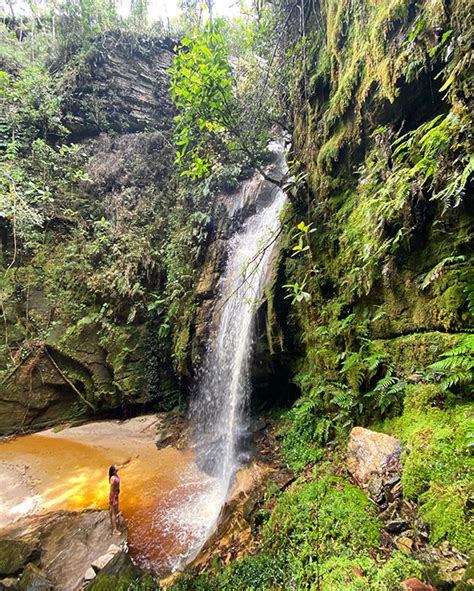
[[16, 553], [438, 467], [34, 579], [118, 574]]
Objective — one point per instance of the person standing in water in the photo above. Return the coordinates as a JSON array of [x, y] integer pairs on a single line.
[[114, 481]]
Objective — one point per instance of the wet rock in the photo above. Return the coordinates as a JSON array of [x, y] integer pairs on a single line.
[[257, 425], [34, 579], [415, 584], [120, 568], [234, 535], [372, 454], [396, 526], [173, 432], [16, 553], [69, 543]]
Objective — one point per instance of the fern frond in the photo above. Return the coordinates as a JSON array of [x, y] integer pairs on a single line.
[[460, 378], [469, 291], [438, 270], [386, 383], [457, 366]]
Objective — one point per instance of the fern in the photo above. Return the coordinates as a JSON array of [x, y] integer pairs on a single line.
[[439, 269], [388, 392], [354, 370], [456, 369], [469, 291]]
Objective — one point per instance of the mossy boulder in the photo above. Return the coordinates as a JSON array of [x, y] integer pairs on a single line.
[[34, 579], [438, 466], [15, 554], [117, 574]]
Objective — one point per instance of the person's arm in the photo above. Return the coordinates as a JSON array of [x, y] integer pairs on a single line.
[[124, 464]]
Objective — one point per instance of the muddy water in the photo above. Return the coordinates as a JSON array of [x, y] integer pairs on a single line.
[[49, 471]]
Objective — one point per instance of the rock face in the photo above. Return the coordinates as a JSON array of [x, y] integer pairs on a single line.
[[372, 454], [35, 395], [64, 547], [123, 86]]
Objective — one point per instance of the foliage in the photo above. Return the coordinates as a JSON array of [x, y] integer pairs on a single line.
[[33, 108], [437, 465], [201, 86], [227, 98], [319, 532], [456, 369]]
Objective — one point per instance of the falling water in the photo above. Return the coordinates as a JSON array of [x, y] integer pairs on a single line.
[[218, 410]]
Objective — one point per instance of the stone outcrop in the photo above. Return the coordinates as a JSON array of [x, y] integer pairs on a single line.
[[123, 86], [57, 550]]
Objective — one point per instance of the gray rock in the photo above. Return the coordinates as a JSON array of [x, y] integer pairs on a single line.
[[70, 543], [90, 574]]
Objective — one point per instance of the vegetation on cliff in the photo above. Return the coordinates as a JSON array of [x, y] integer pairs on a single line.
[[104, 236]]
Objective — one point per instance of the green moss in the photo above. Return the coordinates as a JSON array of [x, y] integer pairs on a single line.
[[322, 530], [365, 574], [299, 447], [448, 512], [15, 554], [438, 470], [416, 351], [322, 517]]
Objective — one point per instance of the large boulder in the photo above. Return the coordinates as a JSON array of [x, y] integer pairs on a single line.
[[372, 454], [67, 544]]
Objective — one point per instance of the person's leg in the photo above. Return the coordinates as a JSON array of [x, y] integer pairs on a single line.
[[114, 511]]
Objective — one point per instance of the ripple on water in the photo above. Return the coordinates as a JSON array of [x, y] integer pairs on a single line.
[[170, 529]]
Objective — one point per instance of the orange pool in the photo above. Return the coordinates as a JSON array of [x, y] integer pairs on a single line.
[[68, 470]]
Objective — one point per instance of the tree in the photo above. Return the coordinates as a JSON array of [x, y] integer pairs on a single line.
[[201, 86], [222, 108]]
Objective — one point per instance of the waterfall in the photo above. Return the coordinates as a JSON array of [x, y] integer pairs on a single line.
[[218, 409]]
